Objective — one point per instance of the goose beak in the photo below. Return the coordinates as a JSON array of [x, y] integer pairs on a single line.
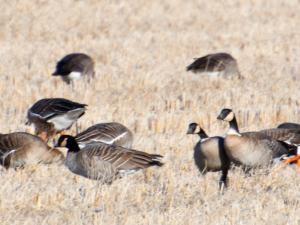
[[220, 117]]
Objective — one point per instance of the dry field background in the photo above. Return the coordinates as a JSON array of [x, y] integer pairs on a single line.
[[141, 49]]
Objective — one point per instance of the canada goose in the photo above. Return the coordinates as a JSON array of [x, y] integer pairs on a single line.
[[52, 115], [217, 64], [295, 126], [109, 133], [20, 148], [252, 149], [74, 66], [209, 153], [105, 162]]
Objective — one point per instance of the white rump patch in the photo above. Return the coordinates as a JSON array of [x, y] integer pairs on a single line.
[[61, 122], [74, 75]]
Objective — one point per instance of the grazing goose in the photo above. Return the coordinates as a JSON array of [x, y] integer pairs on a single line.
[[20, 148], [217, 64], [105, 162], [52, 115], [252, 149], [109, 133], [74, 66], [295, 126], [209, 153]]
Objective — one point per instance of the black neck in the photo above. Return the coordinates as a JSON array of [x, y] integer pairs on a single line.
[[202, 134], [73, 146], [233, 125]]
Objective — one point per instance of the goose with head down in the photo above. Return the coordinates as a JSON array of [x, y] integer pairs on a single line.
[[216, 64], [105, 162], [20, 148], [54, 115]]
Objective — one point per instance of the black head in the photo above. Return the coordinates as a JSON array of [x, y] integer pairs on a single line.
[[69, 142], [226, 115], [193, 128]]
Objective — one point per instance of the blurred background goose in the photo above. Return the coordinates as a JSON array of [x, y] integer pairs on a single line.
[[253, 149], [74, 66], [53, 115], [20, 148], [209, 153], [105, 162], [109, 133], [216, 64], [288, 125]]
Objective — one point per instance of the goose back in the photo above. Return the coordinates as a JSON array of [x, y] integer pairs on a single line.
[[109, 133]]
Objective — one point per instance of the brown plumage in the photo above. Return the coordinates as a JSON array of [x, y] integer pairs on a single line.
[[215, 64], [253, 149], [105, 162], [20, 148], [209, 153], [109, 133]]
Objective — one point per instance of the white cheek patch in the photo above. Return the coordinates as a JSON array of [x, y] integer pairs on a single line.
[[229, 117], [74, 75]]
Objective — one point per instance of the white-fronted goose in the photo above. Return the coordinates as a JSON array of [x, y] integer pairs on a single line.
[[109, 133], [209, 153], [254, 149], [105, 162], [74, 66], [20, 148], [217, 64], [52, 115]]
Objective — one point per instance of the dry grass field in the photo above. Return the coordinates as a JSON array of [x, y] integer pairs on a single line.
[[141, 49]]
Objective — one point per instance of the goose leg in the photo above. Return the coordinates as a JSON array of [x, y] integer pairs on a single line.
[[223, 180]]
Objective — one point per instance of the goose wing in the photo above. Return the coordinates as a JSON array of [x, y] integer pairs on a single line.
[[50, 107], [120, 158], [107, 133], [289, 136]]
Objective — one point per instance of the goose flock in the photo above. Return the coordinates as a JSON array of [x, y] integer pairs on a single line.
[[104, 151]]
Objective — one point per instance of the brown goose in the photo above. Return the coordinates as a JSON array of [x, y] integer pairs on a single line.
[[20, 148], [209, 153], [53, 115], [217, 64], [254, 149], [74, 66], [109, 133], [105, 162]]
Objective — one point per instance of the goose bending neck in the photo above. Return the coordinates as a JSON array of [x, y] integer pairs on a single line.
[[233, 128]]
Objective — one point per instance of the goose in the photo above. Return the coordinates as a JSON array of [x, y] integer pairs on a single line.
[[254, 149], [295, 126], [109, 133], [209, 153], [53, 115], [216, 64], [100, 161], [73, 66], [19, 148]]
